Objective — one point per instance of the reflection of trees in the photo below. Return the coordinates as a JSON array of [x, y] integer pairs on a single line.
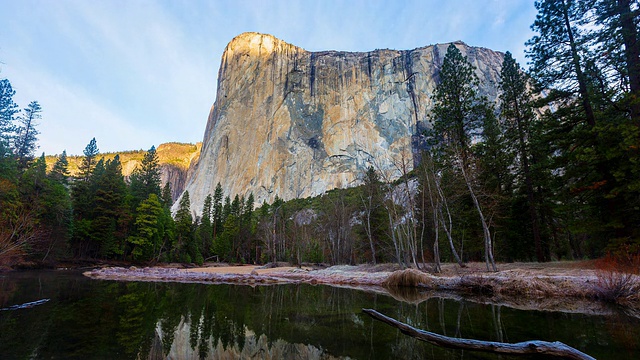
[[98, 319]]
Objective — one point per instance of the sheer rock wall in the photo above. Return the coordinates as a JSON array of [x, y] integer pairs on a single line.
[[294, 123]]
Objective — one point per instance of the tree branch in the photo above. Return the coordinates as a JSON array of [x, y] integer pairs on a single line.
[[557, 348]]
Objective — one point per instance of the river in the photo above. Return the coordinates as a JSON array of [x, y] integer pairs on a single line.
[[96, 319]]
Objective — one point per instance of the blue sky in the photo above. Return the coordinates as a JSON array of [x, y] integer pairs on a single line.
[[137, 73]]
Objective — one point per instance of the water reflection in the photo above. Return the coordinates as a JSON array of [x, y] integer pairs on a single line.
[[89, 319]]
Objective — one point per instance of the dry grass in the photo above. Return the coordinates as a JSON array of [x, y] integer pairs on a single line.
[[407, 278], [617, 279]]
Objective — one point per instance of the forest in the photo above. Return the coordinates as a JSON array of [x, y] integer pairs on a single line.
[[551, 172]]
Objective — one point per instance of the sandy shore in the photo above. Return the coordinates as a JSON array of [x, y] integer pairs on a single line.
[[560, 286], [244, 269]]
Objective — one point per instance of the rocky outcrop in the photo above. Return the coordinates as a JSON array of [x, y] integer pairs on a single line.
[[292, 123], [175, 176]]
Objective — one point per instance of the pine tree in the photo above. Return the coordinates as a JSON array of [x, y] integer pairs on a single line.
[[558, 52], [89, 161], [217, 216], [456, 111], [60, 170], [184, 230], [25, 141], [167, 199], [458, 115], [585, 57], [112, 217], [82, 196], [517, 112], [147, 239], [145, 179], [205, 228], [617, 38], [8, 109]]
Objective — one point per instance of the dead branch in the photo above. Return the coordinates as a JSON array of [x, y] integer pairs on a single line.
[[557, 348]]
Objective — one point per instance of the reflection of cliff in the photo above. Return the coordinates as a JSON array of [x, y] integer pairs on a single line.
[[89, 319], [251, 347]]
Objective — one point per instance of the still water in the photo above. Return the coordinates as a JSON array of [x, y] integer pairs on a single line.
[[93, 319]]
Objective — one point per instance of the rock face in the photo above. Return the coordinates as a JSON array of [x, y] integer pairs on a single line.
[[175, 161], [292, 123]]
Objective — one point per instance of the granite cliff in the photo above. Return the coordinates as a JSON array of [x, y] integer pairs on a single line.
[[292, 123]]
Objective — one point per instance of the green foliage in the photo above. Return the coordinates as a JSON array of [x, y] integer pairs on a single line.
[[145, 179], [26, 137], [112, 213], [167, 199], [457, 109], [8, 109], [205, 228], [185, 239], [89, 160], [148, 232], [551, 174]]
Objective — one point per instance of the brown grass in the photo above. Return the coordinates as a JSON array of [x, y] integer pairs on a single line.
[[617, 279], [407, 278]]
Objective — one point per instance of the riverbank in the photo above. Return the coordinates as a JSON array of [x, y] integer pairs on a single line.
[[558, 286]]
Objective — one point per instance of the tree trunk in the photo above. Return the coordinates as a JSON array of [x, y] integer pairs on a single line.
[[575, 58], [629, 34], [447, 229], [488, 247], [545, 348]]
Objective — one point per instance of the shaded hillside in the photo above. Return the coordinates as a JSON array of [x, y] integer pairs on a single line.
[[175, 160]]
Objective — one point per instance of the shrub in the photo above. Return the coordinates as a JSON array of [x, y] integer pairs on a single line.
[[615, 277], [406, 277]]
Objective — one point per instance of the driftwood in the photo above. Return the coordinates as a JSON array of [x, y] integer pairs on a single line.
[[557, 348], [28, 305]]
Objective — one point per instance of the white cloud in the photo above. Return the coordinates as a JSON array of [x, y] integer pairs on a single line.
[[137, 73]]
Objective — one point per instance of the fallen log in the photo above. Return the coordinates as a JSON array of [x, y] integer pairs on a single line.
[[28, 305], [556, 349]]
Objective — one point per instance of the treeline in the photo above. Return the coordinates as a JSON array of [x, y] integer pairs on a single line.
[[550, 172]]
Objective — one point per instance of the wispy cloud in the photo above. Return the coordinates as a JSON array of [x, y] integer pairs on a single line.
[[138, 73]]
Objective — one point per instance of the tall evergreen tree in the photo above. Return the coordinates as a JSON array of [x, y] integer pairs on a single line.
[[585, 56], [217, 216], [146, 241], [456, 112], [617, 38], [112, 217], [89, 161], [184, 229], [517, 112], [60, 170], [167, 199], [8, 166], [558, 52], [82, 195], [58, 215], [205, 228], [8, 109], [458, 115], [25, 141], [145, 179]]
